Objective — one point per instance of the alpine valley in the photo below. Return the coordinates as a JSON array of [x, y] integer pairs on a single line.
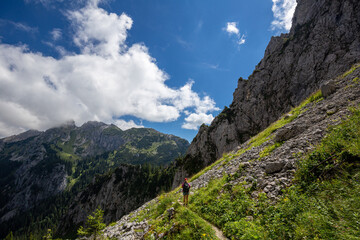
[[42, 172], [281, 162]]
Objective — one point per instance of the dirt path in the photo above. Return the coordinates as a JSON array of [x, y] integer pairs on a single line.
[[218, 233]]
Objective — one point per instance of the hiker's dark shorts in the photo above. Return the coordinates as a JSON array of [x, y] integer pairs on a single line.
[[185, 193]]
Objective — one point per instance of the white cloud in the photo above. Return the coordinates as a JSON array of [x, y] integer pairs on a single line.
[[241, 40], [232, 29], [125, 125], [56, 34], [283, 11], [183, 43], [98, 32], [194, 120], [20, 26], [106, 80], [187, 98]]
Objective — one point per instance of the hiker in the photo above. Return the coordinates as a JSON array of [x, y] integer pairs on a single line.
[[186, 188]]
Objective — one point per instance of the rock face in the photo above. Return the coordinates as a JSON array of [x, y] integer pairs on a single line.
[[118, 193], [324, 41], [258, 173], [275, 171]]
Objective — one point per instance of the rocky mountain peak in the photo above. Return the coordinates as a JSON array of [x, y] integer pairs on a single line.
[[324, 41], [93, 124], [70, 123], [22, 136]]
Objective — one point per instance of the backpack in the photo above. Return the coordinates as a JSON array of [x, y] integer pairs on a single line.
[[186, 187]]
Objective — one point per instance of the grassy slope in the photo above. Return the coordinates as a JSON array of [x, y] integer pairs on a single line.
[[323, 203]]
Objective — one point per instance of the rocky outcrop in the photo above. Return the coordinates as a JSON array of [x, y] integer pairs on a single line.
[[328, 88], [118, 193], [258, 172], [324, 41], [273, 172], [21, 137], [126, 229]]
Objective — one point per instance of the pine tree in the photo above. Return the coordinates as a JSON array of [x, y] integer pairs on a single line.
[[94, 224]]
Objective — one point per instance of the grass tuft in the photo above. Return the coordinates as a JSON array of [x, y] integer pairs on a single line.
[[356, 66], [267, 150]]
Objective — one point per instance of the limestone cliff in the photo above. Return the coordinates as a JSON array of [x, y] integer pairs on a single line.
[[117, 192], [324, 40], [264, 167]]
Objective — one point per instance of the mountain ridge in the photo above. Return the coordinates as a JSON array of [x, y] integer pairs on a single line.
[[259, 173], [323, 41], [36, 166]]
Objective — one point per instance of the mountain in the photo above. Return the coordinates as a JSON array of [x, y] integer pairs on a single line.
[[37, 166], [281, 162], [324, 41], [283, 159], [118, 192], [297, 179]]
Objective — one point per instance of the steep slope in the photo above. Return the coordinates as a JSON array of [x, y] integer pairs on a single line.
[[242, 192], [117, 192], [36, 166], [323, 41]]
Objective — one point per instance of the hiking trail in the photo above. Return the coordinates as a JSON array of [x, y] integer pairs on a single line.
[[218, 233]]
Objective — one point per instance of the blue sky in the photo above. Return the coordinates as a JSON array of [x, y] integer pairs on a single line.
[[170, 65]]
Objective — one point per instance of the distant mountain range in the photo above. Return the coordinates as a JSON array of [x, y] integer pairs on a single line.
[[36, 166]]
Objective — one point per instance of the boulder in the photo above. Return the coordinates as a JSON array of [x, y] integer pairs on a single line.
[[171, 212], [274, 167], [287, 133], [328, 88]]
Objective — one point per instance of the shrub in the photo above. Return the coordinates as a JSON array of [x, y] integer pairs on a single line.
[[94, 224], [338, 151], [243, 229]]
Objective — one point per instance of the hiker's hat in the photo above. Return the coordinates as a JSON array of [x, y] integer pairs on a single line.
[[185, 179]]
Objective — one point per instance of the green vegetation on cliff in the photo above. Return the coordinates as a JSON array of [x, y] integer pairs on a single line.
[[265, 135], [322, 203], [70, 147]]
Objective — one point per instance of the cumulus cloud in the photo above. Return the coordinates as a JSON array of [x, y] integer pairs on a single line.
[[106, 80], [187, 98], [232, 29], [194, 120], [125, 125], [283, 11]]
